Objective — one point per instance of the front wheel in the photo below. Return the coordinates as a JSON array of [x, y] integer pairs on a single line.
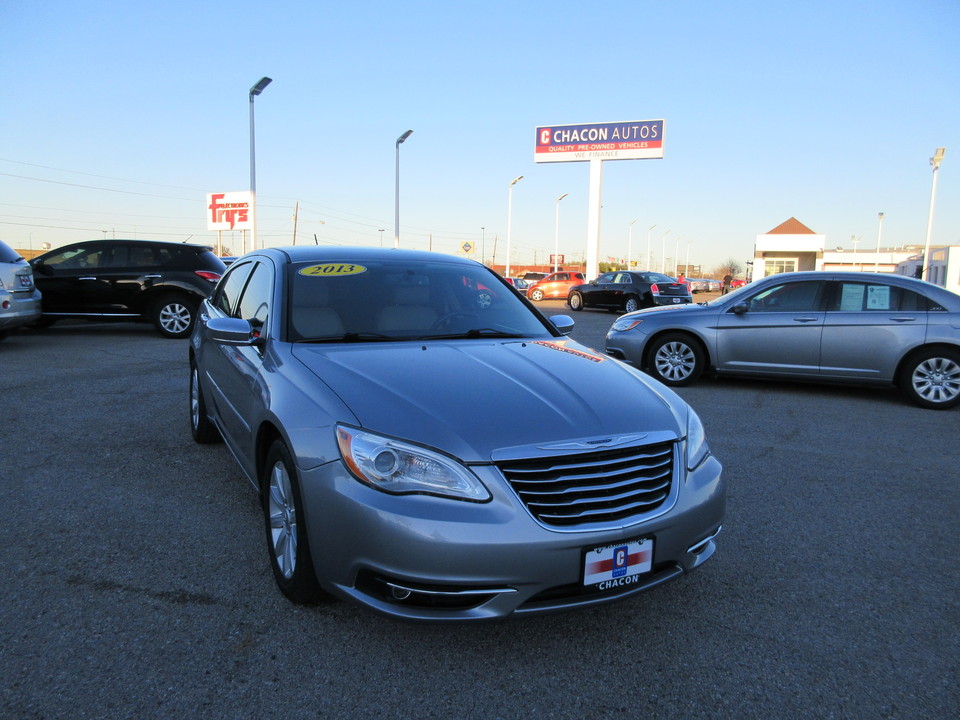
[[203, 431], [676, 360], [536, 295], [286, 530], [931, 379], [575, 301], [174, 315]]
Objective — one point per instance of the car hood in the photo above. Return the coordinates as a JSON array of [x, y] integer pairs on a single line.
[[471, 398]]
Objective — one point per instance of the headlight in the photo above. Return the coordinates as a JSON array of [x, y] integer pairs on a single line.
[[396, 467], [697, 448], [625, 323]]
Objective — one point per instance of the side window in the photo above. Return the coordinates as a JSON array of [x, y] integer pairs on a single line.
[[606, 278], [562, 276], [624, 278], [225, 298], [872, 297], [788, 297], [81, 258], [255, 301]]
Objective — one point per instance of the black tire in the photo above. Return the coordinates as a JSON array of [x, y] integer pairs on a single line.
[[676, 360], [931, 378], [631, 304], [575, 301], [203, 431], [287, 542], [174, 315]]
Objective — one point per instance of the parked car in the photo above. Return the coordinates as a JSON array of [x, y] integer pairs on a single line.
[[140, 280], [704, 285], [366, 394], [554, 285], [19, 297], [532, 277], [519, 283], [846, 327], [628, 291], [737, 283]]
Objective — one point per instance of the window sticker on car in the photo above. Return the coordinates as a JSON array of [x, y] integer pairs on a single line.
[[332, 270]]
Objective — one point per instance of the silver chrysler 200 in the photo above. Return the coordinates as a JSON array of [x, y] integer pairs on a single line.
[[841, 327], [367, 395]]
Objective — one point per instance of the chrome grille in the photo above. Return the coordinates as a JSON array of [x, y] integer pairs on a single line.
[[596, 487]]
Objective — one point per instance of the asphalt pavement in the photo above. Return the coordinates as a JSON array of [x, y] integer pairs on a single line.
[[137, 584]]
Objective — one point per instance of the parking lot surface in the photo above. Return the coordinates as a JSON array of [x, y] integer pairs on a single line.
[[137, 584]]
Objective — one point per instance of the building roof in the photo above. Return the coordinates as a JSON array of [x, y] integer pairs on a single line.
[[791, 227]]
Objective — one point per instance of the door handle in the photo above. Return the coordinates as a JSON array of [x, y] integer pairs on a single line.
[[806, 319], [87, 278], [903, 319]]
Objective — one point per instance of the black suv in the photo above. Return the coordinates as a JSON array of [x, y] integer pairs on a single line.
[[146, 280]]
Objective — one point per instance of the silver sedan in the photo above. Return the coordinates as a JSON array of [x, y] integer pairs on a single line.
[[369, 396], [845, 327]]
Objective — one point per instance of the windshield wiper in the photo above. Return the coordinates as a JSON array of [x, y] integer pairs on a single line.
[[475, 333], [352, 337]]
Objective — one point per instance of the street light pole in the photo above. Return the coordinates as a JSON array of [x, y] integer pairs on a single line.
[[876, 264], [517, 179], [649, 257], [630, 242], [381, 236], [483, 244], [556, 238], [663, 252], [396, 205], [254, 91], [935, 161]]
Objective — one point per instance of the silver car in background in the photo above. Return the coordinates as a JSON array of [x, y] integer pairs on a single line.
[[848, 327], [19, 297], [369, 396]]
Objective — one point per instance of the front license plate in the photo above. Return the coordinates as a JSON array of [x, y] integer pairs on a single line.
[[614, 566]]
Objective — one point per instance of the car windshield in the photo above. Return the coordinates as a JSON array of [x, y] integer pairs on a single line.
[[415, 300]]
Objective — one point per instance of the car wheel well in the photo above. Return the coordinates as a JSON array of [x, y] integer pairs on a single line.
[[266, 436], [921, 349], [646, 365]]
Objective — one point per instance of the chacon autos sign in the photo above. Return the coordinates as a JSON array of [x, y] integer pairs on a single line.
[[600, 141]]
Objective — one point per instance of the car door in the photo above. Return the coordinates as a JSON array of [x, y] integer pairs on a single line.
[[126, 274], [774, 331], [868, 327], [597, 292], [70, 280]]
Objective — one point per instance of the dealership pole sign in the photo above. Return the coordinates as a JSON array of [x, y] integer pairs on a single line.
[[594, 143], [641, 140], [229, 211]]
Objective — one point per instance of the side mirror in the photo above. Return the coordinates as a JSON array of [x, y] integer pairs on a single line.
[[739, 308], [231, 331], [563, 323]]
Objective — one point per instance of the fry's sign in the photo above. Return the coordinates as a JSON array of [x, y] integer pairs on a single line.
[[229, 211]]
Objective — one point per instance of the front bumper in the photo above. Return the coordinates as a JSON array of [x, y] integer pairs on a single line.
[[425, 558]]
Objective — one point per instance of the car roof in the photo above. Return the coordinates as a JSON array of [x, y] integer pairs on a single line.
[[115, 241], [315, 253]]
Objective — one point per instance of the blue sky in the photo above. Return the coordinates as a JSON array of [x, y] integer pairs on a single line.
[[118, 117]]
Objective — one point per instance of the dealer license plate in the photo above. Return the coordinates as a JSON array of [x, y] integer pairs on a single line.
[[615, 566]]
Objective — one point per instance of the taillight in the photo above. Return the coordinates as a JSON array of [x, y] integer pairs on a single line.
[[654, 289], [207, 275]]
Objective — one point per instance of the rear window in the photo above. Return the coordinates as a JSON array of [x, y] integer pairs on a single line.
[[8, 254]]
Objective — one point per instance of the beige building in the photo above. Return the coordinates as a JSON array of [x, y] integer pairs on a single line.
[[792, 246]]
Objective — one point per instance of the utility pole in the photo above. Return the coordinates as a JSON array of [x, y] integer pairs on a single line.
[[296, 214]]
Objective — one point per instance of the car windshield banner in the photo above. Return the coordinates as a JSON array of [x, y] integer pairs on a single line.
[[600, 141]]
